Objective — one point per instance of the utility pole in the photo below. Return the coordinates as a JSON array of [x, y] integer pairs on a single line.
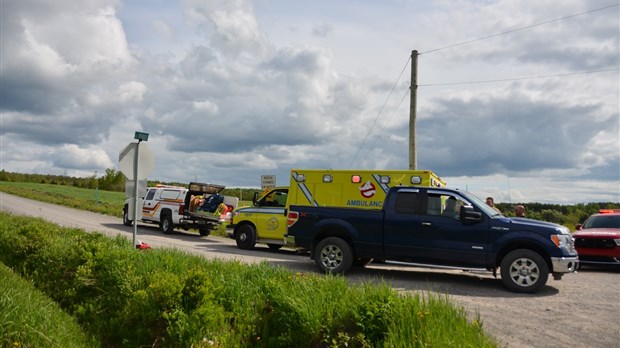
[[413, 162]]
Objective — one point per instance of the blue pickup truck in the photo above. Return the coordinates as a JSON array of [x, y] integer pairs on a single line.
[[435, 227]]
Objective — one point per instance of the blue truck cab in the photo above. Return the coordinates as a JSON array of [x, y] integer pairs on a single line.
[[435, 227]]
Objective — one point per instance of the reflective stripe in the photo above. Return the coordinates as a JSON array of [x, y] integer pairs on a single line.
[[384, 187], [305, 191]]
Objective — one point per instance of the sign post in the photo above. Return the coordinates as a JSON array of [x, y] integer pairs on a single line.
[[140, 160]]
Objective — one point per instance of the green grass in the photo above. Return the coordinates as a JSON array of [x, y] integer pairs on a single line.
[[98, 201], [28, 318], [167, 298]]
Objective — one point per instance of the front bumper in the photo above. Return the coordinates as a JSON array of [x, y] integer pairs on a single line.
[[565, 264]]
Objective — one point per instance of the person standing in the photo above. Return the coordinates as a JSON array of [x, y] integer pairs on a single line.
[[491, 204], [520, 211]]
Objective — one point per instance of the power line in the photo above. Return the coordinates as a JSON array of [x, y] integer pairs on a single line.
[[380, 111], [388, 121], [521, 28], [518, 78]]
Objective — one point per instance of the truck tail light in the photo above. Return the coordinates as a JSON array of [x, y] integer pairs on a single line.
[[293, 216], [181, 210]]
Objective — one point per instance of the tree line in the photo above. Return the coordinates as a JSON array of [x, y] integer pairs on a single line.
[[113, 180]]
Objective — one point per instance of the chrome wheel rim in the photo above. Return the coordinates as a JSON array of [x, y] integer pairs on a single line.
[[331, 257], [524, 272]]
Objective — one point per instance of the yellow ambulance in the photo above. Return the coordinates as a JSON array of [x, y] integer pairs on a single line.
[[265, 221]]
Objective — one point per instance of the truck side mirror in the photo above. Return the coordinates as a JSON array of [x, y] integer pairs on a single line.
[[254, 201], [578, 227], [469, 215]]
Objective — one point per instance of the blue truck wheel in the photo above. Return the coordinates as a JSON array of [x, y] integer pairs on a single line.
[[333, 255], [523, 270]]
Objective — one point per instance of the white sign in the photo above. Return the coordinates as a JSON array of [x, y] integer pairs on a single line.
[[130, 188], [126, 160], [267, 181]]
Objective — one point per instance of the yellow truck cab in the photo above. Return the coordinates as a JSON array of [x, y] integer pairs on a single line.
[[265, 221]]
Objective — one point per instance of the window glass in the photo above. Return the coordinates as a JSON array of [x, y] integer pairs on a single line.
[[170, 194], [150, 194], [444, 205], [406, 202], [451, 206], [433, 204]]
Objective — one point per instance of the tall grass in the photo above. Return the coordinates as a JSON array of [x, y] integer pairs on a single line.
[[168, 298], [28, 318]]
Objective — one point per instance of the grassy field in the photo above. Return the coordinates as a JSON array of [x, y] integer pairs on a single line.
[[166, 298]]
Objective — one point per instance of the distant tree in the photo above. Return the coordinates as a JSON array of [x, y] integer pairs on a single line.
[[552, 215], [112, 180], [4, 176]]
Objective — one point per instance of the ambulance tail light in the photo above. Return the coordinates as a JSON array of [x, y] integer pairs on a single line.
[[416, 180], [293, 217], [328, 178]]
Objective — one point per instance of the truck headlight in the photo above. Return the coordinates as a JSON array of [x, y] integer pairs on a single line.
[[563, 241]]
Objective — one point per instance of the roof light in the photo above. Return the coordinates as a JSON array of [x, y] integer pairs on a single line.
[[608, 211], [300, 177], [384, 179], [327, 178], [416, 180], [356, 179]]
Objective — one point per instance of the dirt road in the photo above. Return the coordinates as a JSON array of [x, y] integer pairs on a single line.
[[581, 310]]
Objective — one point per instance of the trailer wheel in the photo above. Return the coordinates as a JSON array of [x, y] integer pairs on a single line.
[[246, 237], [204, 232], [524, 271], [333, 255], [126, 220], [166, 224]]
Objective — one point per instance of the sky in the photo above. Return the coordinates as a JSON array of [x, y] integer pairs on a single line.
[[516, 99]]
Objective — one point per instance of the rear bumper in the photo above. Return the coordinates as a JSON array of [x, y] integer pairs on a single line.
[[564, 264]]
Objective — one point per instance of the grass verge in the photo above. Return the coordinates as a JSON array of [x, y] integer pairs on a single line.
[[28, 318], [166, 298]]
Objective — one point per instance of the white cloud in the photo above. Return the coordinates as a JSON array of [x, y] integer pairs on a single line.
[[74, 157], [236, 89]]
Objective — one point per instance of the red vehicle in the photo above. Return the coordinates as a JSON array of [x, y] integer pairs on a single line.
[[598, 240]]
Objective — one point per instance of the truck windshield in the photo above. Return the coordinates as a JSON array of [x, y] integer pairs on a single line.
[[480, 204]]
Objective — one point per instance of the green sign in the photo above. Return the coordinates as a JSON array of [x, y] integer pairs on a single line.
[[141, 136]]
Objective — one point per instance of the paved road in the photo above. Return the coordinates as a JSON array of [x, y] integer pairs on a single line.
[[581, 310]]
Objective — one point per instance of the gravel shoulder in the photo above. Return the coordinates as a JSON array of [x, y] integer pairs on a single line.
[[581, 310]]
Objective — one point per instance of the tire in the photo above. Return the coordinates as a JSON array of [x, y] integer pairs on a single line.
[[126, 220], [333, 255], [246, 237], [166, 224], [524, 271], [361, 261], [204, 232], [274, 247]]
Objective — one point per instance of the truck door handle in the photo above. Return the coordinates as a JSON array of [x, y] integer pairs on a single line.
[[426, 224]]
